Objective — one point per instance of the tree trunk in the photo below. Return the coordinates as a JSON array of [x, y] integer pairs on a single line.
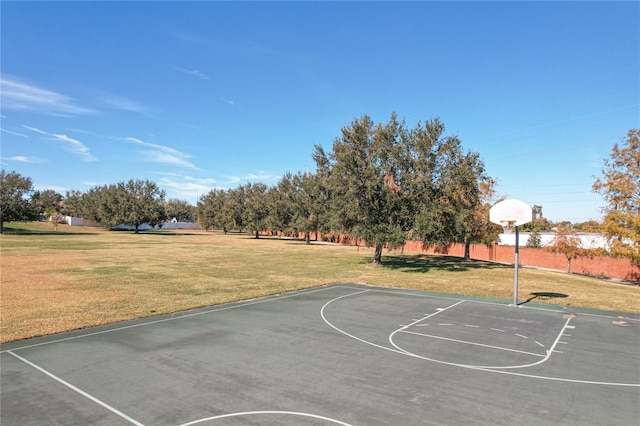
[[257, 235], [467, 255], [377, 256], [307, 237], [568, 265]]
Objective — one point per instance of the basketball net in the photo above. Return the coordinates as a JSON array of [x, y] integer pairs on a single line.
[[508, 226]]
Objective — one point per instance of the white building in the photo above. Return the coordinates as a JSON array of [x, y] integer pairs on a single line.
[[172, 224], [589, 240]]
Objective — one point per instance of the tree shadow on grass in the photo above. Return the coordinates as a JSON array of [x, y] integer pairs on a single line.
[[167, 233], [22, 231], [421, 263]]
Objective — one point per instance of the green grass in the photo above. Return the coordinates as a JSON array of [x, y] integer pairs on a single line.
[[79, 277]]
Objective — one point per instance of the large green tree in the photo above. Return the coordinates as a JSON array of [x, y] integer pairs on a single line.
[[620, 186], [455, 199], [387, 182], [131, 203], [366, 201], [143, 202], [180, 210], [72, 203], [233, 209], [15, 204], [297, 203], [210, 209], [256, 210], [47, 201], [477, 228], [99, 205]]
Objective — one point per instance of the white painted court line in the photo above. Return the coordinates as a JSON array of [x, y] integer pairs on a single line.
[[471, 367], [438, 311], [473, 343], [178, 316], [253, 413], [550, 351], [324, 318], [77, 390], [504, 304], [404, 327], [553, 346]]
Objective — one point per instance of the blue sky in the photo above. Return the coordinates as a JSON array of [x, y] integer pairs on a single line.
[[197, 95]]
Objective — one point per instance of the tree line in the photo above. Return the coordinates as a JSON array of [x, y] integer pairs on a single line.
[[380, 183], [131, 203]]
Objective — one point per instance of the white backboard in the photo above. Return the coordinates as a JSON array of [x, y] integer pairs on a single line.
[[511, 210]]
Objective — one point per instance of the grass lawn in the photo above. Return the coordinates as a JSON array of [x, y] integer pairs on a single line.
[[79, 277]]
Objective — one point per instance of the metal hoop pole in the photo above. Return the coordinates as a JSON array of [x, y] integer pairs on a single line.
[[515, 274]]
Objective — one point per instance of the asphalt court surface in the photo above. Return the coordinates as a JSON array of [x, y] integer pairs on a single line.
[[340, 354]]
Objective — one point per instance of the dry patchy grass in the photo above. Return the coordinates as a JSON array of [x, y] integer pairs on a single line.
[[79, 277]]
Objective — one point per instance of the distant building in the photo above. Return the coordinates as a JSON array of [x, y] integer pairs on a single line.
[[172, 224], [589, 240]]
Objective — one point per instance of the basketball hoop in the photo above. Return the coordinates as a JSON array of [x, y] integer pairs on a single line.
[[510, 214], [508, 226]]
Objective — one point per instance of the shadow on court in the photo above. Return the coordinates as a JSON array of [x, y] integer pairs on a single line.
[[541, 296]]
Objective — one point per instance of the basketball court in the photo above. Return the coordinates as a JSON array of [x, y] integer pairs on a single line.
[[342, 354]]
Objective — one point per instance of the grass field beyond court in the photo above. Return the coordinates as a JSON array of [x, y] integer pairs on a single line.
[[80, 277]]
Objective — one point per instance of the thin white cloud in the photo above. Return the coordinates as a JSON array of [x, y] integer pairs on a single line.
[[167, 158], [76, 147], [232, 179], [70, 144], [121, 103], [185, 187], [33, 129], [251, 177], [13, 133], [24, 159], [228, 101], [58, 189], [153, 145], [261, 176], [196, 73], [163, 154], [21, 96], [89, 133]]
